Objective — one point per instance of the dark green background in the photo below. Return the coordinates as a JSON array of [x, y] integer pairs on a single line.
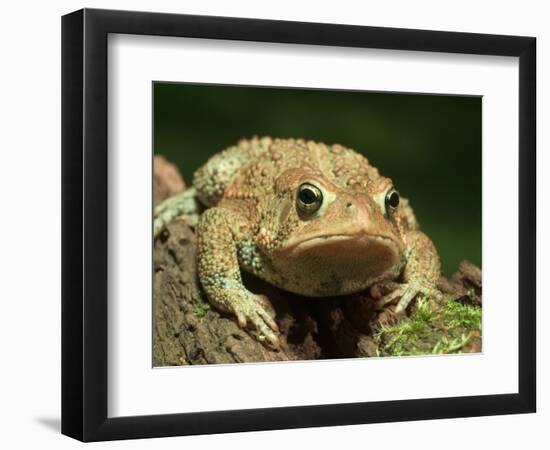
[[430, 145]]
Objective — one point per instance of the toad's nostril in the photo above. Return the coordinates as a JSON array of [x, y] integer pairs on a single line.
[[349, 205]]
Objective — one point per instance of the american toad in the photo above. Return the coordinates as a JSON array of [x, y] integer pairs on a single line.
[[314, 219]]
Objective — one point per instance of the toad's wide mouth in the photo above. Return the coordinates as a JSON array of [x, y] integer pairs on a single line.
[[336, 264], [335, 241]]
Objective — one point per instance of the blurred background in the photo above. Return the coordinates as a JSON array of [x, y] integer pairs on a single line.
[[429, 145]]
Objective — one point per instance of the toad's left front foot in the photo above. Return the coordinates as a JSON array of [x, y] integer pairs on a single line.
[[406, 293]]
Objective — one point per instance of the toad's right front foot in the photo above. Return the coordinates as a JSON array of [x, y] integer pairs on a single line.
[[255, 313]]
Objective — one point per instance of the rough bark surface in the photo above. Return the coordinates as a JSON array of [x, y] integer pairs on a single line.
[[166, 179], [188, 331], [465, 284]]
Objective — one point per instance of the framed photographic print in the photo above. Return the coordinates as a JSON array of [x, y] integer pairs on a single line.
[[273, 224]]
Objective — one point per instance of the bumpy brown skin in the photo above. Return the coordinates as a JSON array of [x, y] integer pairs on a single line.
[[353, 241]]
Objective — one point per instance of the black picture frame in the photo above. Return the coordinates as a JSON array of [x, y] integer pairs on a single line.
[[84, 224]]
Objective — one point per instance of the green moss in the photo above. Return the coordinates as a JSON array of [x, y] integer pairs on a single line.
[[446, 345], [456, 315], [433, 328], [201, 306], [201, 310]]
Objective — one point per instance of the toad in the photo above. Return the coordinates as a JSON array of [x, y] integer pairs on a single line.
[[314, 219]]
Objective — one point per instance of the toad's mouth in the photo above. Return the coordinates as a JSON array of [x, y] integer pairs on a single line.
[[344, 250], [337, 264], [334, 241]]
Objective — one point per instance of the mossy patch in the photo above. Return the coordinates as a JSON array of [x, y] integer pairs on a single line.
[[433, 328], [201, 310], [200, 304]]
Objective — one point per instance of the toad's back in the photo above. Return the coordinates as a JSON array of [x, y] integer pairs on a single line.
[[212, 179], [254, 164]]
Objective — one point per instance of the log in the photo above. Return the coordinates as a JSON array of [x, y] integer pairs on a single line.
[[465, 285], [167, 180]]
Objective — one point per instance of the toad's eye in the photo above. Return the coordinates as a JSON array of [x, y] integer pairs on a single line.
[[392, 200], [309, 198]]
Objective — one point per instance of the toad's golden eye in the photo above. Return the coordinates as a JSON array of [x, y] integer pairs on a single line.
[[392, 200], [309, 198]]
